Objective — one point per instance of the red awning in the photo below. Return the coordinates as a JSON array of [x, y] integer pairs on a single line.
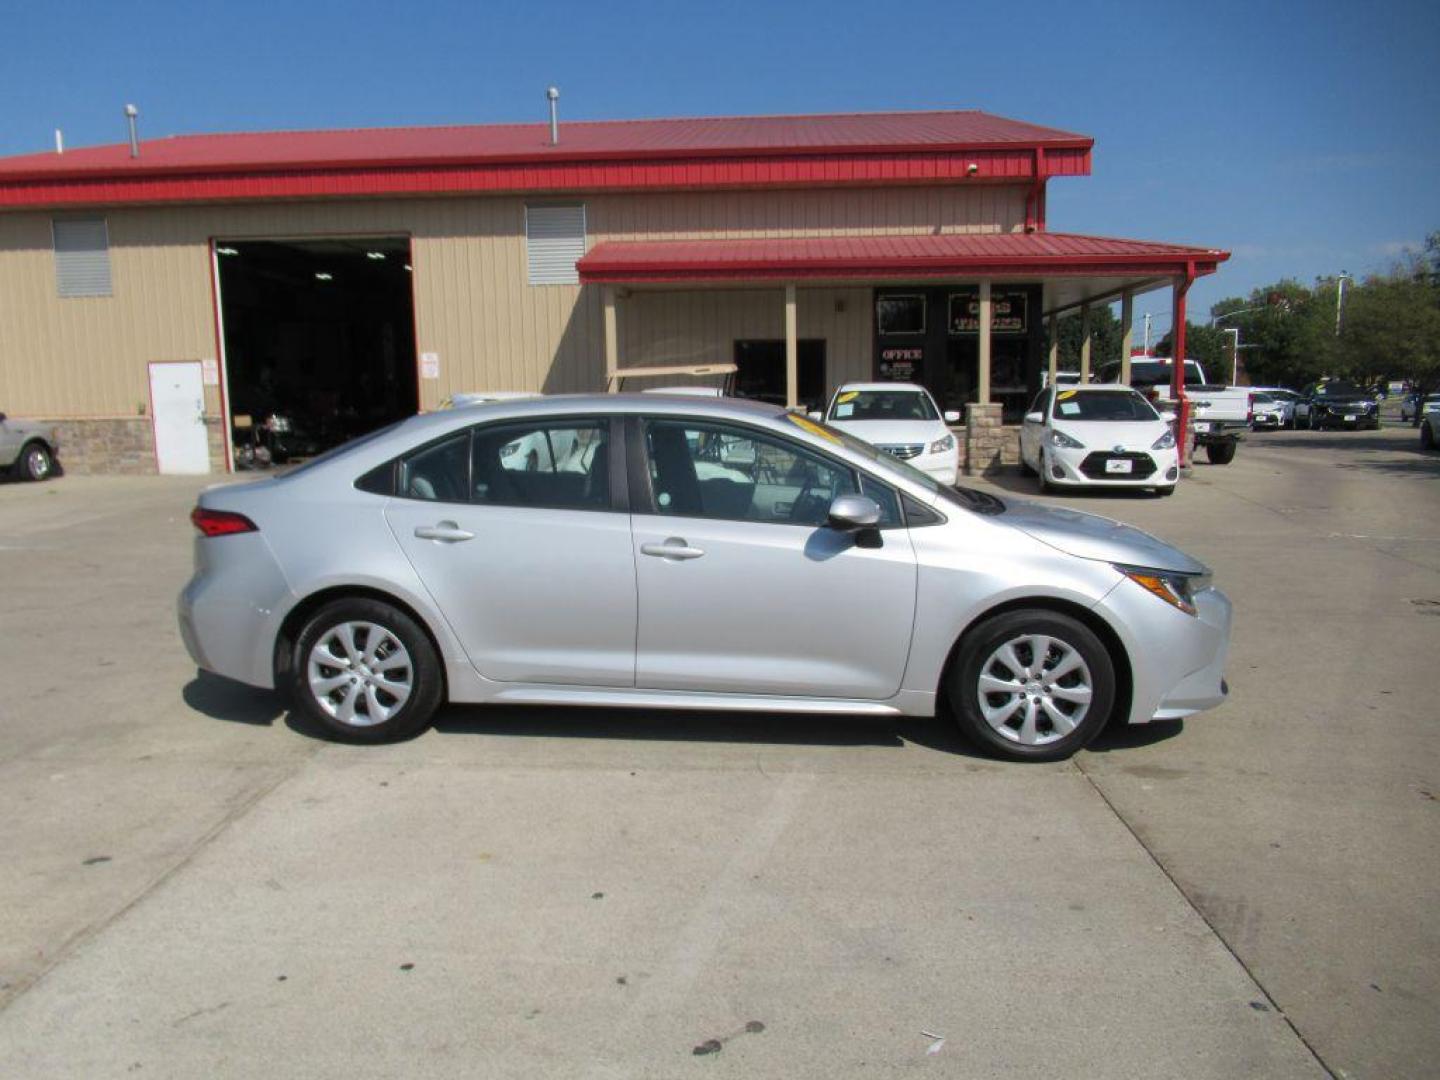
[[1016, 256]]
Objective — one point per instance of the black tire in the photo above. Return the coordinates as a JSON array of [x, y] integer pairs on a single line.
[[35, 462], [1046, 487], [426, 680], [1221, 453], [962, 682], [1427, 436], [1025, 469]]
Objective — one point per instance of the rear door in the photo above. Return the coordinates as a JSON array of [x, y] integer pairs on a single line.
[[520, 532], [742, 587]]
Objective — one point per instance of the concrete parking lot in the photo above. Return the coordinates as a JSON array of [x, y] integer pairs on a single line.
[[197, 885]]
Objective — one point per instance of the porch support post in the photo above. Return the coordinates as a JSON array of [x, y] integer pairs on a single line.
[[792, 351], [1054, 349], [1177, 364], [1127, 332], [612, 348], [987, 444], [1086, 336], [982, 387]]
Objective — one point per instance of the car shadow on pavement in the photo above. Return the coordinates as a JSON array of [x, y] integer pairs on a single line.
[[223, 699], [683, 725], [1132, 736]]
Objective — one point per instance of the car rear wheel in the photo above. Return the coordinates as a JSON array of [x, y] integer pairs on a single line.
[[35, 462], [1220, 453], [1032, 685], [365, 672], [1427, 436]]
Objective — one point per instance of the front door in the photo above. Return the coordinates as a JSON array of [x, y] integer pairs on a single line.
[[742, 587], [514, 532], [177, 406]]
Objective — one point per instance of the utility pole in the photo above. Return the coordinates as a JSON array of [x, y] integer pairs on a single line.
[[1340, 297], [1146, 349]]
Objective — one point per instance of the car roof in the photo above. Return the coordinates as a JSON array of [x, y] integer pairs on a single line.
[[863, 386], [1087, 388]]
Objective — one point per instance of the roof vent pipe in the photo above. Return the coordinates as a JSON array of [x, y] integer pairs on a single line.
[[130, 114], [59, 141], [552, 93]]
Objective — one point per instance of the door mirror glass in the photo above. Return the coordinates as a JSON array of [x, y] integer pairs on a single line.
[[952, 417], [1035, 418], [849, 513]]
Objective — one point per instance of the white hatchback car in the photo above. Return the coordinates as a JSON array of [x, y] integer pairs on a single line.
[[901, 419], [1101, 435]]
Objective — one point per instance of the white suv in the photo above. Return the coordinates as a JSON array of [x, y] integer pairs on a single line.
[[901, 419]]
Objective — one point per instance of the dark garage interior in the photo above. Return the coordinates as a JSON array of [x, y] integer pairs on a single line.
[[319, 342]]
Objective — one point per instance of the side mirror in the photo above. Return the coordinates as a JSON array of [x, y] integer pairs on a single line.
[[1034, 418], [815, 414], [1167, 416], [851, 513], [952, 417]]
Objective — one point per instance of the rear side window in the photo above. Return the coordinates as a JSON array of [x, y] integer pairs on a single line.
[[439, 472], [560, 465]]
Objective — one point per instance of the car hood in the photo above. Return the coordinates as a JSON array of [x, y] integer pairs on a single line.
[[1090, 536], [890, 432], [1106, 435]]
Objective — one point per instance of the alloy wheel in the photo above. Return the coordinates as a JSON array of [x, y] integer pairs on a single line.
[[1035, 689], [360, 673]]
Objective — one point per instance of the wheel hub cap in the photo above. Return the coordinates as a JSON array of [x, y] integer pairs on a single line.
[[1034, 689], [360, 673]]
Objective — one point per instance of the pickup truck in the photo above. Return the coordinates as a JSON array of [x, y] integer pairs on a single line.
[[1221, 413]]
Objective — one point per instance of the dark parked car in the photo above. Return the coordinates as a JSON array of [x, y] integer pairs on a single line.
[[1337, 405]]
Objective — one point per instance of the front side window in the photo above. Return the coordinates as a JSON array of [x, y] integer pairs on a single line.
[[699, 469], [556, 464]]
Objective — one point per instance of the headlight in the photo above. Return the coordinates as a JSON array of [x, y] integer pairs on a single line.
[[1164, 442], [1177, 590], [1065, 442], [939, 446]]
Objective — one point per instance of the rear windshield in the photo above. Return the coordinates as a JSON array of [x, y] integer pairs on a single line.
[[1108, 405], [882, 405]]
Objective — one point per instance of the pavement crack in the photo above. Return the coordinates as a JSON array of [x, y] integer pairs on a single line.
[[1253, 977]]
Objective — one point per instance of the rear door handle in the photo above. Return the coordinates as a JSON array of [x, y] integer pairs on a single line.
[[673, 548], [447, 532]]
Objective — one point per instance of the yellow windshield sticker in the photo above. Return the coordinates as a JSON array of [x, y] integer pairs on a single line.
[[804, 423], [1064, 394], [849, 395]]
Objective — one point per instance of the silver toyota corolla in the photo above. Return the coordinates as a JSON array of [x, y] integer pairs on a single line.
[[688, 553]]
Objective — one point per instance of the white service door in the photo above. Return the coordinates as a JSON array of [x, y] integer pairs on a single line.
[[177, 401]]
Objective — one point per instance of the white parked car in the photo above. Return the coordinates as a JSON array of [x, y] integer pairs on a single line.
[[1102, 435], [901, 419], [1266, 410], [1285, 399]]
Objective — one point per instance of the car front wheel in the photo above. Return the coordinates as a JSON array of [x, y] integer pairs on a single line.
[[1032, 685], [35, 462], [366, 672]]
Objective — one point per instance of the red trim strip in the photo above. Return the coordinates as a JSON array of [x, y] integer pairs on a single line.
[[240, 183], [1068, 266]]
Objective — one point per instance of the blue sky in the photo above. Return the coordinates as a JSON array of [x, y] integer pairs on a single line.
[[1303, 137]]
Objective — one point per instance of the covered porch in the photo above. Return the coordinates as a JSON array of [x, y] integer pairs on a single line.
[[974, 317]]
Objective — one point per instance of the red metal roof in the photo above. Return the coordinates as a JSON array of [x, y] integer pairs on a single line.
[[713, 151], [850, 257]]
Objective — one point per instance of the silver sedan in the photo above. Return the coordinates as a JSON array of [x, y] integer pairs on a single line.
[[687, 553]]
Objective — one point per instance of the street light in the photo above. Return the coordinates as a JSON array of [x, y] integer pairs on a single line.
[[1340, 296]]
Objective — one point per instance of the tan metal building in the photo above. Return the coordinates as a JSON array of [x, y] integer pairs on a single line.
[[353, 277]]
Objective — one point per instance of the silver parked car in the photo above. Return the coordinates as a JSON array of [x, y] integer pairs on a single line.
[[712, 554], [27, 449]]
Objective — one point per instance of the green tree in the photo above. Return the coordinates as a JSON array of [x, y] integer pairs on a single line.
[[1206, 344], [1287, 331], [1104, 339], [1391, 327]]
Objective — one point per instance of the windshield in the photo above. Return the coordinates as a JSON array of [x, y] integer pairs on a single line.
[[976, 501], [1102, 405], [882, 405], [1339, 389], [1262, 399]]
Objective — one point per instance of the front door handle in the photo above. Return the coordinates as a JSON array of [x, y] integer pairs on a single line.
[[447, 532], [673, 548]]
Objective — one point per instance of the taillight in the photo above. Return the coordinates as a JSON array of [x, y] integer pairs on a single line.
[[221, 522]]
